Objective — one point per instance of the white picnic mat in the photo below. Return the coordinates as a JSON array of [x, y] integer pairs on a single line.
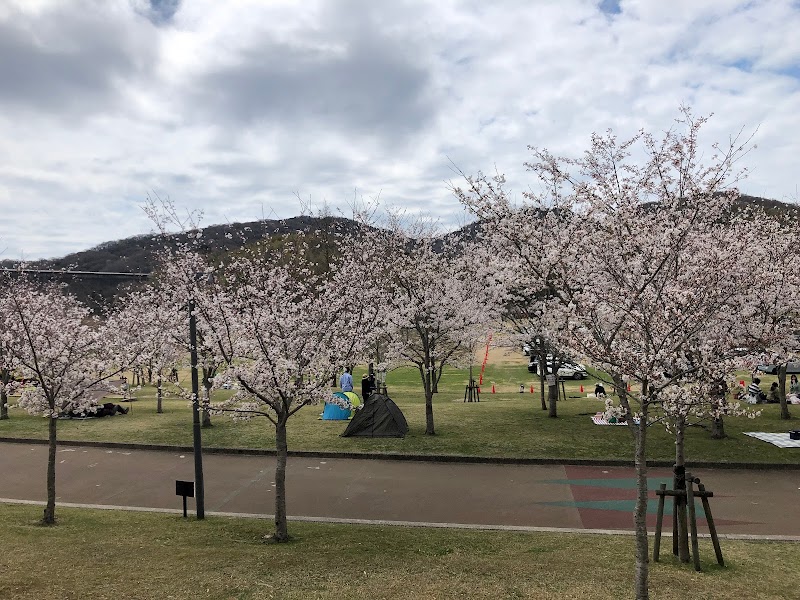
[[781, 440], [599, 419]]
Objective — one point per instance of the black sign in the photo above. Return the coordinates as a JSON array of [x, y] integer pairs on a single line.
[[184, 488]]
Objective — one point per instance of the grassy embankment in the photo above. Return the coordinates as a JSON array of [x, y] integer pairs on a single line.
[[121, 555], [504, 424]]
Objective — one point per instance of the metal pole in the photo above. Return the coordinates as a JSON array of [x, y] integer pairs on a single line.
[[198, 448]]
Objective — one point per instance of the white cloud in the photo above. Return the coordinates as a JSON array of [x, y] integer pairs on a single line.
[[232, 107]]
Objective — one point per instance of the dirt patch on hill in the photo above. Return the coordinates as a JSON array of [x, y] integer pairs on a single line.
[[501, 355]]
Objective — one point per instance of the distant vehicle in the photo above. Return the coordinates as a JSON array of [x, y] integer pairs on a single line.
[[526, 349], [567, 370]]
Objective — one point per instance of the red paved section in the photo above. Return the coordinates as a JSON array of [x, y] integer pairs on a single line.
[[745, 502], [605, 498]]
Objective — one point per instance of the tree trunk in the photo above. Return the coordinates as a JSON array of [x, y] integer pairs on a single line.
[[206, 402], [552, 392], [679, 483], [640, 515], [542, 371], [159, 394], [281, 526], [3, 404], [49, 517], [719, 402], [717, 429], [642, 567], [782, 392], [552, 397], [426, 379]]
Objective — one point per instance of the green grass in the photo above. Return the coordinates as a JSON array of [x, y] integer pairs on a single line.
[[505, 424], [120, 555]]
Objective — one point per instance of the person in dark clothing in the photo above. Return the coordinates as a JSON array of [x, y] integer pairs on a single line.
[[368, 386], [599, 391], [108, 409], [773, 397]]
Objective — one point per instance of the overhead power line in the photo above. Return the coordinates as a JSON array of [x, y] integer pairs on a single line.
[[74, 273]]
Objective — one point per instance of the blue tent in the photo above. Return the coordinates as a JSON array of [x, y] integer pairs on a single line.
[[336, 411]]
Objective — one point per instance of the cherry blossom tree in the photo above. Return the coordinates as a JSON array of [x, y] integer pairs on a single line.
[[61, 347], [532, 245], [184, 263], [283, 332], [7, 369], [153, 330], [771, 314], [281, 325], [439, 303], [655, 264]]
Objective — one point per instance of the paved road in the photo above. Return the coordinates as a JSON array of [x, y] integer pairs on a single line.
[[746, 502]]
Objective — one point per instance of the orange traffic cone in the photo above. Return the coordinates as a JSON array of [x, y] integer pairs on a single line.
[[531, 389], [479, 390], [493, 388], [629, 387], [581, 389]]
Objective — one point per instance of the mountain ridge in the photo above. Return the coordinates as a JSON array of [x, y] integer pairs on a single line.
[[138, 254]]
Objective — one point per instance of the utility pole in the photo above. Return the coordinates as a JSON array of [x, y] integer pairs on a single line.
[[198, 448]]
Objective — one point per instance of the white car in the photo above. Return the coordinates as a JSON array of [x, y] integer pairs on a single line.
[[565, 371]]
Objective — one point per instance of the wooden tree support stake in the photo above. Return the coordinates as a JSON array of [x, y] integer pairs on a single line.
[[693, 521], [659, 521], [472, 393], [689, 494], [712, 529]]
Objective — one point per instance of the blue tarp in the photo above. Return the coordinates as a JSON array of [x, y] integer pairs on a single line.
[[335, 413]]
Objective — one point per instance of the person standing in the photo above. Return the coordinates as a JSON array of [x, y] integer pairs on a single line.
[[367, 386], [346, 380]]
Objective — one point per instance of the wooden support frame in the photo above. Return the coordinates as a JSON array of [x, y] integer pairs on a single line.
[[689, 494], [473, 392]]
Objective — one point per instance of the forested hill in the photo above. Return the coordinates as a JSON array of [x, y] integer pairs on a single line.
[[771, 207], [138, 254]]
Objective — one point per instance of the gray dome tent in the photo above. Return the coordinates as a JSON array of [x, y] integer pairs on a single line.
[[379, 417]]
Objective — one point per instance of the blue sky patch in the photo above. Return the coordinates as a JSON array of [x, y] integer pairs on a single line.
[[161, 11], [610, 7]]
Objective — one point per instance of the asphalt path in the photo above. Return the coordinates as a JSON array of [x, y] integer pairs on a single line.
[[759, 503]]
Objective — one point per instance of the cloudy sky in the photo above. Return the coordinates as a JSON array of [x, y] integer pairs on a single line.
[[238, 107]]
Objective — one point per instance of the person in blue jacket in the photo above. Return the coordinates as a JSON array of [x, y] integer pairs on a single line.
[[346, 380]]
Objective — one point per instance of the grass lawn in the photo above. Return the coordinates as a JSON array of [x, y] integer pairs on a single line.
[[111, 554], [504, 424]]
